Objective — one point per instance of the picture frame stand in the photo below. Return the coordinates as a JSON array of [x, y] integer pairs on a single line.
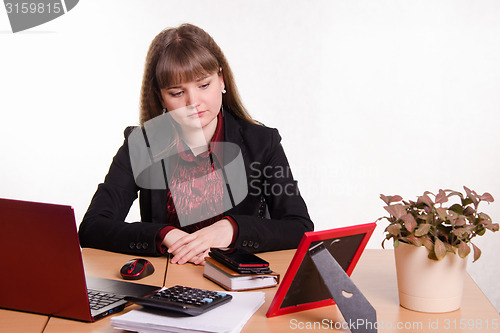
[[357, 311]]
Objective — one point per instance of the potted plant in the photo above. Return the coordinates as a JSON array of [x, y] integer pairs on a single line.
[[431, 243]]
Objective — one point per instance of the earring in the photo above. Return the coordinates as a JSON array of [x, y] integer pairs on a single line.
[[223, 90], [165, 110]]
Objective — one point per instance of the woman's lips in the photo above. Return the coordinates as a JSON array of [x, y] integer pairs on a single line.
[[197, 114]]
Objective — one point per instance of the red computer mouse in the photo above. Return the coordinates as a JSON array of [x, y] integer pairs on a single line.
[[136, 269]]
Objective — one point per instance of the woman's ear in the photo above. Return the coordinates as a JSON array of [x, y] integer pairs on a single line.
[[221, 79]]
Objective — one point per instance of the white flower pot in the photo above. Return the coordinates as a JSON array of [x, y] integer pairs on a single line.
[[428, 285]]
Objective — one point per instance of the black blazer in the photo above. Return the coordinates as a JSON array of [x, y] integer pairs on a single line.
[[271, 188]]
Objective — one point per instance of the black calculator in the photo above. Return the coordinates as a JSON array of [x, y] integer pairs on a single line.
[[187, 300]]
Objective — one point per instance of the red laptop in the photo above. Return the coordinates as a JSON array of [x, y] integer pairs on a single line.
[[42, 269]]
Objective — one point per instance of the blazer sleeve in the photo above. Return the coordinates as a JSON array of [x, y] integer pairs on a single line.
[[104, 227], [270, 177]]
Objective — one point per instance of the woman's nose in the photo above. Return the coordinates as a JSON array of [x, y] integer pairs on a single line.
[[192, 98]]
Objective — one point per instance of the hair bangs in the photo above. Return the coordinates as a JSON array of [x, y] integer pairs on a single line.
[[184, 63]]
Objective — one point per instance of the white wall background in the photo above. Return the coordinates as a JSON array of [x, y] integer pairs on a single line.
[[385, 96]]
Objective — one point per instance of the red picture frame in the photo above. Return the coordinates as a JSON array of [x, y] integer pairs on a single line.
[[302, 287]]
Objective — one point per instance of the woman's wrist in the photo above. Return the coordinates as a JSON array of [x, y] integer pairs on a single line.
[[235, 229], [228, 231], [172, 236]]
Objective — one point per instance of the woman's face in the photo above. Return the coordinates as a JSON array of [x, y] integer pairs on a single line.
[[195, 104]]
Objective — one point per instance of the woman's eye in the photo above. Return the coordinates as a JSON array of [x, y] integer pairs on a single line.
[[205, 85], [176, 94]]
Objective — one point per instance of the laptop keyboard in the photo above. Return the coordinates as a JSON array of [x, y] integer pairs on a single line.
[[99, 299]]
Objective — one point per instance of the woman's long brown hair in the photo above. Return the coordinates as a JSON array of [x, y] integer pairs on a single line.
[[184, 54]]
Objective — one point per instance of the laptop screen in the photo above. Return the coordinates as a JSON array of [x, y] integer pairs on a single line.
[[42, 270]]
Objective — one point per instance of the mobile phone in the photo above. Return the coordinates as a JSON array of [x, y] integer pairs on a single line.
[[240, 260]]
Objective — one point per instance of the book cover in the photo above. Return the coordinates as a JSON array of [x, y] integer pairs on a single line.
[[231, 280]]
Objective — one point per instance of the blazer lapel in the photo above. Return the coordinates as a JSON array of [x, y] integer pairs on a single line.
[[232, 132]]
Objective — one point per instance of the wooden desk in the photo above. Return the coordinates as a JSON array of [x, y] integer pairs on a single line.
[[21, 322], [374, 275]]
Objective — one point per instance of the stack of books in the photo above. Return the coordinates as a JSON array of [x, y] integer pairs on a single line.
[[231, 280]]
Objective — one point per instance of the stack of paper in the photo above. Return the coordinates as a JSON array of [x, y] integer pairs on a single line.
[[230, 317]]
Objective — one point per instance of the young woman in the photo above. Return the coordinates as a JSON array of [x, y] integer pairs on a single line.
[[187, 78]]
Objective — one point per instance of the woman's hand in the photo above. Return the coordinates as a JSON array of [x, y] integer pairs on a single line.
[[173, 236], [195, 247]]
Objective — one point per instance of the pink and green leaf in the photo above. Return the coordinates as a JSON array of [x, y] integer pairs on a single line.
[[394, 229], [422, 230], [427, 242], [486, 197], [449, 248], [439, 249], [484, 217], [390, 198], [425, 199], [471, 195], [396, 210], [460, 221], [396, 243], [477, 252], [442, 213], [414, 240], [461, 233], [441, 197], [457, 209], [493, 227], [469, 211], [463, 249], [409, 221]]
